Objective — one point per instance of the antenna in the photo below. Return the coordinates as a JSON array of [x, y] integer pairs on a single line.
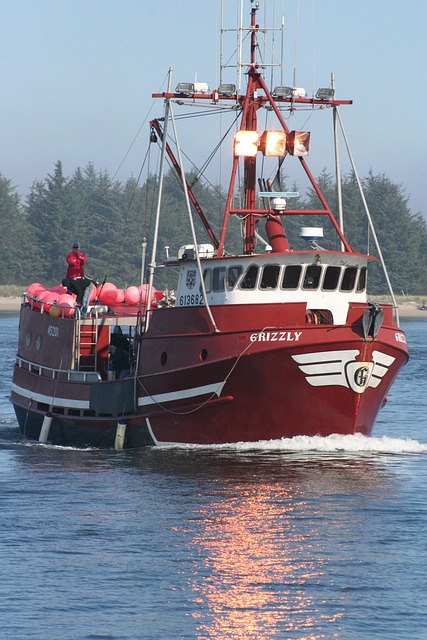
[[231, 49]]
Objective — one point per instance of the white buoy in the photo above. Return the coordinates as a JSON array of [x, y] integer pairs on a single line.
[[44, 431], [120, 435]]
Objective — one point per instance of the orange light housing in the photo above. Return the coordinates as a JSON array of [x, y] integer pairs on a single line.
[[273, 143], [298, 143]]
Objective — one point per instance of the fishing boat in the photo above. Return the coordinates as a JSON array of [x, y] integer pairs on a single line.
[[271, 341]]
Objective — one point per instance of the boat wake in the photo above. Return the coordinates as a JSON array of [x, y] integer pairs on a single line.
[[333, 444]]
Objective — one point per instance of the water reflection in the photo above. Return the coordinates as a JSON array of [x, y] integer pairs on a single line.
[[263, 548], [256, 544]]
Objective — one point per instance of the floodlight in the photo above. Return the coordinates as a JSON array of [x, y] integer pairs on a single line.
[[246, 143], [187, 88], [273, 143], [298, 143], [282, 92], [227, 89], [325, 93]]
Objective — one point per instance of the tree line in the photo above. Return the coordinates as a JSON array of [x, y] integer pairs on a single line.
[[110, 219]]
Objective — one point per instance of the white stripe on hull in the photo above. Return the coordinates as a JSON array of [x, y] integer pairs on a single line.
[[50, 400], [159, 398], [182, 394]]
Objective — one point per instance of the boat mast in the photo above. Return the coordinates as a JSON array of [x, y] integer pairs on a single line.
[[152, 265], [250, 124]]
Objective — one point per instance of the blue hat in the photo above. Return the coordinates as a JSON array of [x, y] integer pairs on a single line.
[[75, 245]]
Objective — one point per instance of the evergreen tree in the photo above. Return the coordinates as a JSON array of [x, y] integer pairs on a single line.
[[111, 220], [401, 234], [50, 218], [16, 262]]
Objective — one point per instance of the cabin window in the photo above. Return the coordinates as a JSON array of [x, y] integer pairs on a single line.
[[270, 276], [331, 278], [250, 278], [233, 275], [219, 279], [207, 279], [312, 276], [361, 283], [291, 277], [349, 279]]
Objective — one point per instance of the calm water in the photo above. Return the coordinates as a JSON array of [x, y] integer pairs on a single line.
[[306, 539]]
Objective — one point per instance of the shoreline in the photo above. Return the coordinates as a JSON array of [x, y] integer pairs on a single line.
[[408, 310]]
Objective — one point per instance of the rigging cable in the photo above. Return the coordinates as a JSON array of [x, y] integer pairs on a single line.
[[368, 215]]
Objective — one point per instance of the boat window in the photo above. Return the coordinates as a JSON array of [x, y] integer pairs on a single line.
[[361, 283], [312, 276], [291, 277], [250, 278], [207, 279], [219, 279], [234, 274], [331, 278], [349, 279], [270, 276]]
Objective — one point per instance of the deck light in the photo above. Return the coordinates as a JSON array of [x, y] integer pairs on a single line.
[[186, 88], [273, 143], [282, 92], [325, 93], [246, 143], [227, 89], [298, 143]]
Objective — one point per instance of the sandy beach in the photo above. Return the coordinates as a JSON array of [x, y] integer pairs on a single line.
[[10, 304], [409, 310]]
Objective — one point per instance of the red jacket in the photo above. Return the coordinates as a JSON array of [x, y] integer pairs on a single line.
[[76, 264]]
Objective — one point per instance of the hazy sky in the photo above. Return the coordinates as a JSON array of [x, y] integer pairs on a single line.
[[77, 78]]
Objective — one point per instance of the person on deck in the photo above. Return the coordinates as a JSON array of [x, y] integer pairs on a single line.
[[119, 360], [76, 262], [77, 286]]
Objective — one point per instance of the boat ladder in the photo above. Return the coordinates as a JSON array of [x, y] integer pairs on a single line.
[[86, 343]]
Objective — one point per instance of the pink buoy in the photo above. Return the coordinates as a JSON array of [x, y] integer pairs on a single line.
[[132, 295], [48, 298], [35, 288], [67, 303], [144, 293], [108, 293], [120, 296], [58, 289]]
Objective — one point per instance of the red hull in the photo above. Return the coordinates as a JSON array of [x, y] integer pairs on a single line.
[[216, 388]]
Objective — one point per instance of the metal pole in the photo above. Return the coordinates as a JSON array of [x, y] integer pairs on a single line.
[[152, 265], [371, 224], [193, 231], [144, 251], [337, 166]]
